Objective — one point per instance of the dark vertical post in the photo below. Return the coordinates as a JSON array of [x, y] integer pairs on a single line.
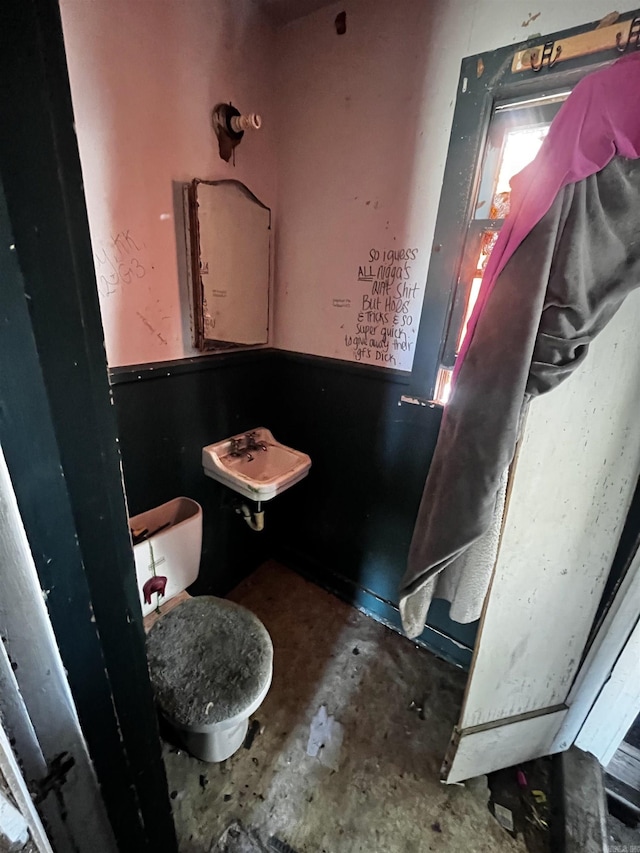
[[57, 426]]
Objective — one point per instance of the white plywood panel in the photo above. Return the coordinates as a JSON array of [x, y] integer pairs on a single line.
[[572, 486], [491, 749]]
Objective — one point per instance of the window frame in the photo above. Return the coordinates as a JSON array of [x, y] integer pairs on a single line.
[[485, 79], [500, 125]]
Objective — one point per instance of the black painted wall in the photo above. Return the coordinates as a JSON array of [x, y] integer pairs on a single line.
[[165, 418], [347, 526]]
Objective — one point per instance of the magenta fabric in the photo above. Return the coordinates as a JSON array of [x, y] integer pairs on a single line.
[[599, 120]]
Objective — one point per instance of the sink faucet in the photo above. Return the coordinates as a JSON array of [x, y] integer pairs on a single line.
[[252, 443], [235, 447], [244, 445]]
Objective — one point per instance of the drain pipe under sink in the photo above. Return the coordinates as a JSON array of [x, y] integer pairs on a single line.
[[255, 520]]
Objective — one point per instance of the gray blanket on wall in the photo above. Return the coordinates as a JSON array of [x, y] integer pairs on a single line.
[[558, 290]]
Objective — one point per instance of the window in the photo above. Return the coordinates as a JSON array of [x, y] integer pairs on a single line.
[[503, 112], [515, 135]]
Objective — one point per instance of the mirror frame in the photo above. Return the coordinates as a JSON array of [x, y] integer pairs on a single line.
[[200, 341]]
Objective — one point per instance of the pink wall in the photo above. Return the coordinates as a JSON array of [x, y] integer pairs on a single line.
[[144, 78], [356, 129], [368, 116]]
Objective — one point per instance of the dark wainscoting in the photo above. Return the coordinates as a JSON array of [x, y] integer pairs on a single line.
[[348, 525], [166, 414]]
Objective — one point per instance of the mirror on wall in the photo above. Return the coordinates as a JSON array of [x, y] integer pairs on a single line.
[[229, 243]]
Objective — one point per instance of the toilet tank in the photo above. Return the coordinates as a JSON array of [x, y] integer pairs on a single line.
[[173, 543]]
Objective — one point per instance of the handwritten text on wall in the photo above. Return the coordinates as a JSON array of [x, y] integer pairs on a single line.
[[384, 325], [119, 263]]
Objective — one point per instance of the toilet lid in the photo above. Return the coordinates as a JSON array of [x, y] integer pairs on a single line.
[[209, 659]]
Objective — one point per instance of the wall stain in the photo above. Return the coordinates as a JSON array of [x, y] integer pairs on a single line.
[[531, 19]]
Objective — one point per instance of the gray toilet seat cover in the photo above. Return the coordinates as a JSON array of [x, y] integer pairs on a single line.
[[209, 659]]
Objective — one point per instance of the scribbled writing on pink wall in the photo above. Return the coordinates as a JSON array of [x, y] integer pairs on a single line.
[[383, 322], [119, 265]]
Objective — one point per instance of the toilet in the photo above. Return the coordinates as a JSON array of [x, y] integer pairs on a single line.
[[210, 660]]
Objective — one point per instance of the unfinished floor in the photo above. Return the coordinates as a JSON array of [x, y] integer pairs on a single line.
[[373, 784]]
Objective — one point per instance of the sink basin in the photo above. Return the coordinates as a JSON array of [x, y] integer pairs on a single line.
[[254, 464]]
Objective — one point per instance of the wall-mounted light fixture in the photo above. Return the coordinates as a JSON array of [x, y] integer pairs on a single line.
[[230, 125]]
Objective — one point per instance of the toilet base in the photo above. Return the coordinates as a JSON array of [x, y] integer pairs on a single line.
[[218, 743]]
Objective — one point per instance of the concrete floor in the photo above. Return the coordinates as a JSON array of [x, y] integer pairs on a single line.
[[374, 784]]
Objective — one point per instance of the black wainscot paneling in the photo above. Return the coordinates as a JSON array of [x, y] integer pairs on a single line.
[[166, 414], [347, 526]]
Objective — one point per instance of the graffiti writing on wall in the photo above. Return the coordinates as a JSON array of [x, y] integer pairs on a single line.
[[119, 263], [384, 325]]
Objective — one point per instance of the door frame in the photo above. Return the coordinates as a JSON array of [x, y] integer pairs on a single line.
[[36, 708], [58, 430], [485, 79], [605, 697], [10, 771]]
